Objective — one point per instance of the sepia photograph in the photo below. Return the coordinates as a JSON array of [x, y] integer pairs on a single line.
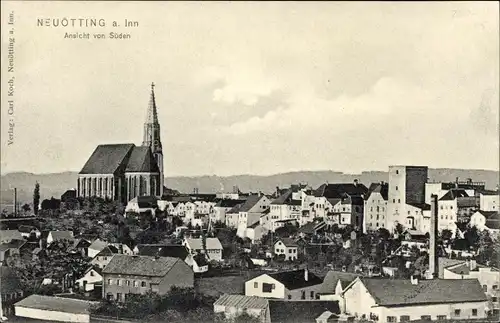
[[250, 162]]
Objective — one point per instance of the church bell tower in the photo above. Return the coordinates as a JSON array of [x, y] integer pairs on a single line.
[[152, 135]]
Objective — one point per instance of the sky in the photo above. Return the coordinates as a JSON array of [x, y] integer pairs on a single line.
[[258, 88]]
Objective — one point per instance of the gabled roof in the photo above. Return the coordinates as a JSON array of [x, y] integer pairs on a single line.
[[444, 262], [13, 244], [286, 199], [175, 251], [142, 161], [228, 203], [212, 243], [107, 159], [394, 292], [333, 277], [98, 244], [301, 311], [340, 190], [61, 235], [310, 227], [488, 192], [251, 201], [140, 265], [26, 228], [490, 214], [296, 279], [242, 301], [8, 235], [108, 251], [52, 303], [235, 209], [470, 201], [492, 224], [453, 194], [288, 242], [381, 188], [143, 202]]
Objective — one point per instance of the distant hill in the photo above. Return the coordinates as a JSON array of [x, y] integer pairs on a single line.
[[57, 183]]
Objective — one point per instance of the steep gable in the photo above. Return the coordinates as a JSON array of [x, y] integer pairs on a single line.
[[107, 159], [142, 161]]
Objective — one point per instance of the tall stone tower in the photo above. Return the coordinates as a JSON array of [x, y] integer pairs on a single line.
[[152, 135]]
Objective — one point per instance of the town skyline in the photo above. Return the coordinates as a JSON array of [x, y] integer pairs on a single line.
[[292, 94]]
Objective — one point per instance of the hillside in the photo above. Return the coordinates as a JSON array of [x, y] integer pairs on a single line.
[[58, 183]]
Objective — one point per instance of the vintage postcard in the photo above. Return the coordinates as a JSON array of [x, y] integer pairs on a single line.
[[268, 162]]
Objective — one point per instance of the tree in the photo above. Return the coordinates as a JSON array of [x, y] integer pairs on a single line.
[[36, 198], [399, 229], [446, 234], [26, 207]]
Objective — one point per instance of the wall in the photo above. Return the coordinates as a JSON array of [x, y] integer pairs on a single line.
[[51, 315], [290, 253], [447, 214], [415, 312], [91, 280], [396, 195], [180, 275], [358, 301], [231, 312], [277, 292], [489, 202], [296, 294], [375, 212]]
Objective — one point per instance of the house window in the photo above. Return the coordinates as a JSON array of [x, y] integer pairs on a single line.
[[136, 283], [289, 296], [267, 288], [474, 312], [118, 282], [303, 296], [105, 258], [91, 273], [391, 319], [109, 297], [255, 285], [495, 287], [127, 282], [485, 288], [425, 317], [404, 318], [312, 294], [109, 281], [119, 297], [494, 299], [441, 317], [396, 188], [457, 312], [393, 200], [399, 200]]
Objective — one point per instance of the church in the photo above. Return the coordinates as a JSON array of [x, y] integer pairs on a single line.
[[121, 172]]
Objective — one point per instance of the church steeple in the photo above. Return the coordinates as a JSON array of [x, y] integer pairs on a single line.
[[152, 133]]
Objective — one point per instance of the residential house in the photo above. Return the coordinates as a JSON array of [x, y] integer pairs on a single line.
[[250, 213], [60, 236], [218, 213], [311, 229], [95, 247], [10, 289], [304, 311], [213, 247], [141, 274], [398, 300], [287, 247], [375, 207], [91, 278], [486, 220], [488, 277], [232, 216], [198, 264], [103, 258], [288, 206], [235, 305], [288, 285], [334, 284], [308, 201], [28, 231], [53, 308], [9, 235], [489, 200], [418, 217], [142, 204], [11, 248], [340, 204], [455, 206], [80, 245], [255, 232], [123, 249]]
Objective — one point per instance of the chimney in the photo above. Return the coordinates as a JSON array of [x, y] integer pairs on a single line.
[[433, 257], [414, 280], [306, 274], [356, 182]]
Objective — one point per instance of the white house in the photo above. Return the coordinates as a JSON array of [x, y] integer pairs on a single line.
[[141, 204], [255, 232], [213, 247], [235, 305], [489, 201], [95, 247], [285, 207], [287, 247], [288, 285], [486, 220], [250, 212], [54, 309], [488, 277], [91, 277], [398, 300], [375, 207], [219, 210], [103, 258], [9, 235], [334, 284], [59, 236]]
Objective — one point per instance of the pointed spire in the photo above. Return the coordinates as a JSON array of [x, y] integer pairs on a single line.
[[152, 116]]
